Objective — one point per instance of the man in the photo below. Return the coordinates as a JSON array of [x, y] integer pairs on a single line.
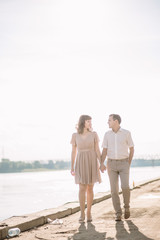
[[116, 144]]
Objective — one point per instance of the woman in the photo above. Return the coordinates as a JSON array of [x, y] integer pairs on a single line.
[[85, 149]]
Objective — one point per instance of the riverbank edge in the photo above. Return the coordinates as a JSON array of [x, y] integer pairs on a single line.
[[30, 221]]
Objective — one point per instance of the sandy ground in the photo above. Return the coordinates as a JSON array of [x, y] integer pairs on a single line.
[[144, 223]]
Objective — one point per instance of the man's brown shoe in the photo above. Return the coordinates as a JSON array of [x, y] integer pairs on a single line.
[[127, 214]]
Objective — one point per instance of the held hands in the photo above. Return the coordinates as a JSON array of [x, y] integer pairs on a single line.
[[102, 167]]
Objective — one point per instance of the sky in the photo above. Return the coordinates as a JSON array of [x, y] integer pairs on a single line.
[[61, 59]]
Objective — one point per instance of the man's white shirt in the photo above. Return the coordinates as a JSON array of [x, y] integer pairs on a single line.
[[117, 143]]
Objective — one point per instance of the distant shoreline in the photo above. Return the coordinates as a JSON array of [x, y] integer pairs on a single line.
[[55, 170], [37, 170], [7, 166]]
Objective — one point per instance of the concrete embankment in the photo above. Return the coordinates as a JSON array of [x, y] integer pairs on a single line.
[[30, 221], [102, 212]]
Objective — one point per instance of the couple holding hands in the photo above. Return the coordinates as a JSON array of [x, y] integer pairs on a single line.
[[118, 147]]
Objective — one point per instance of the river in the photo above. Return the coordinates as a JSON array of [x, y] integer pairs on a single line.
[[24, 193]]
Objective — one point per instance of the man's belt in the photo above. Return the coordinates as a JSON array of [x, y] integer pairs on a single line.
[[122, 159]]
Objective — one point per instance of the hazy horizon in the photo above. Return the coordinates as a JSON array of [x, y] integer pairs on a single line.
[[61, 59]]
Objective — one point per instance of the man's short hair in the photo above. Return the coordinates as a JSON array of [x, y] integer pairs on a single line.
[[116, 117]]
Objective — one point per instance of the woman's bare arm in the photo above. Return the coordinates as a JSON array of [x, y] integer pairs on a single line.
[[73, 157]]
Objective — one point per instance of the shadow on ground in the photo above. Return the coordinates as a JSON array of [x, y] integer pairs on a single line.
[[87, 233], [134, 233]]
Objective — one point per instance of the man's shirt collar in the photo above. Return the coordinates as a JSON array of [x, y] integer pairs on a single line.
[[119, 130]]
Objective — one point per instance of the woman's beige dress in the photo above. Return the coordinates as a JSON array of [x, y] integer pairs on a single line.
[[86, 166]]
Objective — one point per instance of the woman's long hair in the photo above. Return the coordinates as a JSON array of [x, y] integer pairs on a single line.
[[81, 123]]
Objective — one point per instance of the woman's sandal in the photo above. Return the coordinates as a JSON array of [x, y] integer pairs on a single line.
[[89, 219], [81, 219]]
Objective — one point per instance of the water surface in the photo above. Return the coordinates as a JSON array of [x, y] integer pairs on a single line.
[[23, 193]]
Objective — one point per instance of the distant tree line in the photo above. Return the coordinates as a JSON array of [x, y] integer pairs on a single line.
[[145, 163], [7, 166]]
